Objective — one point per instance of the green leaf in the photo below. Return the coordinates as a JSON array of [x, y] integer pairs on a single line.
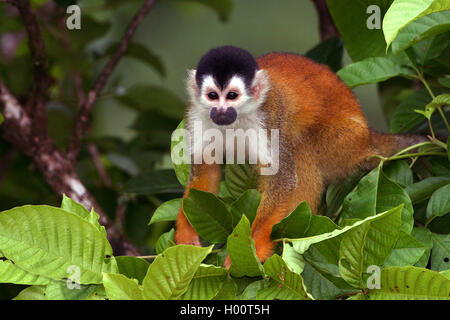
[[208, 215], [407, 283], [239, 178], [180, 160], [439, 101], [376, 193], [283, 284], [399, 172], [293, 259], [90, 216], [444, 81], [404, 118], [59, 290], [36, 239], [440, 254], [423, 235], [10, 273], [403, 12], [119, 287], [407, 251], [32, 293], [422, 28], [142, 53], [206, 283], [228, 290], [132, 267], [154, 182], [328, 52], [168, 211], [168, 277], [439, 203], [368, 244], [422, 190], [241, 248], [247, 204], [295, 224], [373, 70], [351, 17], [448, 148], [165, 241], [337, 192]]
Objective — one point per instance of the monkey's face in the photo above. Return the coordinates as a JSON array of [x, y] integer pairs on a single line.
[[225, 104]]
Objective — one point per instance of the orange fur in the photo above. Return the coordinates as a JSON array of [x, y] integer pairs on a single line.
[[323, 137]]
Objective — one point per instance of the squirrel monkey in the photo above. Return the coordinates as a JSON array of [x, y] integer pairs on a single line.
[[323, 135]]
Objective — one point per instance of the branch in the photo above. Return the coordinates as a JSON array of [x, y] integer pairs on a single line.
[[326, 24], [82, 121]]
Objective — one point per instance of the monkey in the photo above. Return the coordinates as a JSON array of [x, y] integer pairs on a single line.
[[323, 134]]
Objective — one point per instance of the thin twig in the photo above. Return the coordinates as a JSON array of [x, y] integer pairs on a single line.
[[82, 121], [95, 155]]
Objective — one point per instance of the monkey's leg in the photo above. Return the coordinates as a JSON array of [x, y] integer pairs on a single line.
[[283, 194], [205, 178]]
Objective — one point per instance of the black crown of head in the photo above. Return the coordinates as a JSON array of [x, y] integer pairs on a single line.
[[224, 62]]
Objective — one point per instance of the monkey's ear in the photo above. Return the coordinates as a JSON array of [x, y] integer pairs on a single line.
[[260, 85], [191, 84]]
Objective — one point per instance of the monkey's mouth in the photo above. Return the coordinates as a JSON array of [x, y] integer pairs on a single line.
[[223, 117]]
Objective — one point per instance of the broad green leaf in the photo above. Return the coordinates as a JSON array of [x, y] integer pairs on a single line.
[[423, 235], [404, 118], [142, 53], [373, 70], [303, 244], [283, 284], [59, 290], [179, 153], [407, 283], [10, 273], [293, 259], [368, 244], [228, 290], [352, 18], [90, 216], [206, 283], [444, 81], [337, 192], [295, 224], [239, 178], [440, 254], [132, 267], [328, 52], [168, 277], [323, 286], [165, 241], [399, 172], [168, 211], [403, 12], [422, 190], [424, 27], [153, 182], [376, 193], [208, 215], [36, 239], [241, 248], [32, 293], [246, 204], [446, 273], [251, 291], [119, 287], [439, 203], [407, 252]]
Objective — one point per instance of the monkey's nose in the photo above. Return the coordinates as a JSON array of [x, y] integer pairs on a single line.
[[223, 116]]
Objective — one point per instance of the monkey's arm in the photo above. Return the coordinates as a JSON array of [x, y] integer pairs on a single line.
[[203, 177]]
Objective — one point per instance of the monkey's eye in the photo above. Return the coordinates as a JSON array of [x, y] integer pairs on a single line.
[[213, 95], [232, 95]]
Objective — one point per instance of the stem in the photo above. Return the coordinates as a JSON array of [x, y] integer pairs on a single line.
[[420, 154], [443, 117], [421, 144]]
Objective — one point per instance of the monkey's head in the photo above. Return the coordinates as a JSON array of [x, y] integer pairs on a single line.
[[227, 84]]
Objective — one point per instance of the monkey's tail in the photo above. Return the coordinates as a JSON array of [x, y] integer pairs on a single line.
[[386, 145]]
